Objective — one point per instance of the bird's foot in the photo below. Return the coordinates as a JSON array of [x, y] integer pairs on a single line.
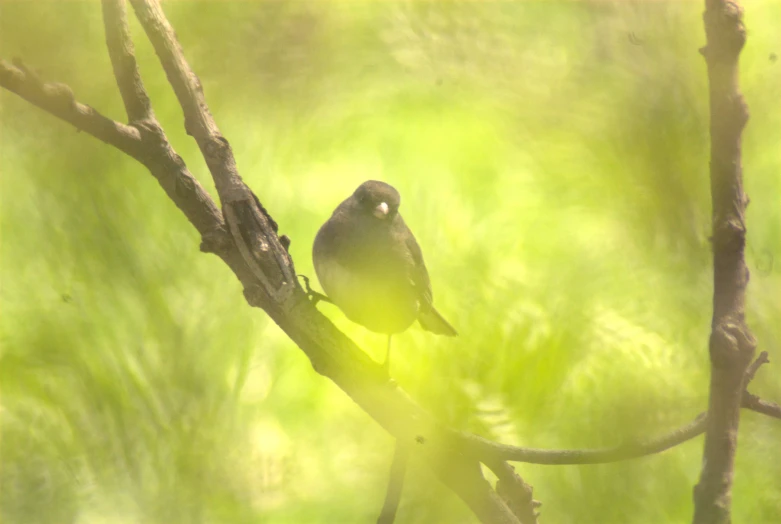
[[313, 295]]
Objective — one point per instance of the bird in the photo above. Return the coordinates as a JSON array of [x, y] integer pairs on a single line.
[[371, 267]]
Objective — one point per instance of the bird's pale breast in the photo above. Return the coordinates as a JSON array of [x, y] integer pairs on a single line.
[[382, 301]]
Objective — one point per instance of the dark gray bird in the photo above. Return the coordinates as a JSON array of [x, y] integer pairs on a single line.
[[370, 265]]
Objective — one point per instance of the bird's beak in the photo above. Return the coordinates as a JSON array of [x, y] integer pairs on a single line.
[[381, 211]]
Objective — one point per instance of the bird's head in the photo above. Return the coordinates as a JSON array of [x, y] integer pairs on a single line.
[[378, 199]]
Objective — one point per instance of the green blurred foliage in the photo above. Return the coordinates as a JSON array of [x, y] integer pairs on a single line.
[[554, 170]]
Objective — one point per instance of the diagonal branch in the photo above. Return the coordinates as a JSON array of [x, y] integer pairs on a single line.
[[465, 477], [144, 141], [58, 99], [254, 231], [198, 120], [517, 494], [395, 484], [123, 61], [157, 154]]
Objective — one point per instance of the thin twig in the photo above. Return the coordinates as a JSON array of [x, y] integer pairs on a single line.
[[395, 483], [754, 403], [123, 60], [490, 450], [58, 99], [754, 367], [487, 450]]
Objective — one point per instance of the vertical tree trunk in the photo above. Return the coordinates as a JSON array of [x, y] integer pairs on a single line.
[[731, 344]]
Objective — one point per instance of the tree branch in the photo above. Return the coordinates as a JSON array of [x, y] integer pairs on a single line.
[[395, 484], [754, 367], [492, 452], [254, 231], [731, 343], [517, 494], [58, 99], [157, 154], [198, 120], [489, 450], [465, 477], [123, 61], [143, 141], [754, 403]]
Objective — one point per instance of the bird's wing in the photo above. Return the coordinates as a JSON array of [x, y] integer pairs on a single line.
[[418, 273]]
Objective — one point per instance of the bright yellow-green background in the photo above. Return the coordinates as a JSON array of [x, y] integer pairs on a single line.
[[554, 173]]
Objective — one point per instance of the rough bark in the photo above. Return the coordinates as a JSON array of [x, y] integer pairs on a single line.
[[731, 343]]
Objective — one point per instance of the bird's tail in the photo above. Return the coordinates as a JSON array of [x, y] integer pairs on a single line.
[[431, 320]]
